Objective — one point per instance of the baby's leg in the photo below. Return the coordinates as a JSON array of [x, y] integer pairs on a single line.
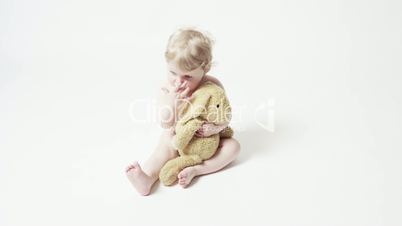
[[143, 178], [228, 150]]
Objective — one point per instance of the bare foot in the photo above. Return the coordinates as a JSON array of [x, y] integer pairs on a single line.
[[141, 182], [186, 175]]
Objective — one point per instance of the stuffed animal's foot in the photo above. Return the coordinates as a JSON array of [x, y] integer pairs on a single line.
[[186, 176], [141, 182], [168, 174], [170, 171]]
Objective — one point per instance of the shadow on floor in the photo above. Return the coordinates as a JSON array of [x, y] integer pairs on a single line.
[[255, 141]]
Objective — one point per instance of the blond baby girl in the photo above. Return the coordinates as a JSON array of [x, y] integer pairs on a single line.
[[188, 56]]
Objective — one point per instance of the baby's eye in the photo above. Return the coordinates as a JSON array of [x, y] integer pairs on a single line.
[[188, 77]]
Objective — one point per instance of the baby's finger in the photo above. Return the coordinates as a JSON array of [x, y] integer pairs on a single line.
[[176, 88], [185, 92], [181, 86], [178, 85], [208, 125], [189, 98]]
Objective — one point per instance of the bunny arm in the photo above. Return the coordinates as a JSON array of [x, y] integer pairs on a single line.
[[226, 133], [186, 132]]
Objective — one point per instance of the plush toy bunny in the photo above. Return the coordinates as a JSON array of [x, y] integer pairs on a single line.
[[208, 104]]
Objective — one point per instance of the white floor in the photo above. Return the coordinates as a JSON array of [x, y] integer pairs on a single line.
[[316, 89]]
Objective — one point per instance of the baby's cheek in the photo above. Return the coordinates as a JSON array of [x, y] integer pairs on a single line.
[[192, 85], [171, 79]]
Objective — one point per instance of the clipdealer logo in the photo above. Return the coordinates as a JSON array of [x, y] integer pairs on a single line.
[[263, 113]]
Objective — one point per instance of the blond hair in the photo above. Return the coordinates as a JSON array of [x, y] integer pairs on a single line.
[[190, 49]]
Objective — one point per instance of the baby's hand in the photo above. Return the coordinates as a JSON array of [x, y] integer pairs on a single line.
[[208, 129], [176, 95]]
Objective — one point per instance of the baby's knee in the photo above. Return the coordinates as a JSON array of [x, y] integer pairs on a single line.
[[236, 147], [232, 145]]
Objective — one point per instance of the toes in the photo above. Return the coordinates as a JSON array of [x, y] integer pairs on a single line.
[[182, 175], [183, 184], [135, 165], [129, 168], [181, 179]]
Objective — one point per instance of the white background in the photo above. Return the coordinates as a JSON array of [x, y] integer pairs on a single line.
[[70, 69]]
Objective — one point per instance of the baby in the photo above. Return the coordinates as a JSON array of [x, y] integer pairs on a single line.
[[188, 56]]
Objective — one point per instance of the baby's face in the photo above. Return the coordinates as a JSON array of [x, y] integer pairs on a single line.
[[192, 78]]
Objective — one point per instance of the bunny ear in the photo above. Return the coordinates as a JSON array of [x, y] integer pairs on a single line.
[[198, 106]]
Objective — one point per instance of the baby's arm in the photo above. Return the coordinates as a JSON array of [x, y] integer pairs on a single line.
[[167, 111], [170, 99], [208, 129]]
